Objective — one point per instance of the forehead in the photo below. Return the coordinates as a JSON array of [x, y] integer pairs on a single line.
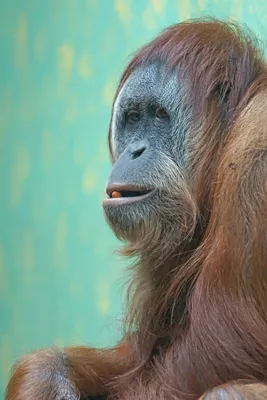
[[152, 80]]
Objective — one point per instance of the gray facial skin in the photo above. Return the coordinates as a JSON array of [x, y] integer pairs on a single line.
[[149, 127]]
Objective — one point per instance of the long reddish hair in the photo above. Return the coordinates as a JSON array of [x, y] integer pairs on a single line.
[[210, 312]]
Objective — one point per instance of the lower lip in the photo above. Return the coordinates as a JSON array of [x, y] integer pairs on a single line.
[[118, 201]]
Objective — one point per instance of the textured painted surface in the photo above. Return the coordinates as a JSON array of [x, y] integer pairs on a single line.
[[60, 63]]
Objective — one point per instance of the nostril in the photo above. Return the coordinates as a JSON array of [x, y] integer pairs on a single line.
[[138, 152]]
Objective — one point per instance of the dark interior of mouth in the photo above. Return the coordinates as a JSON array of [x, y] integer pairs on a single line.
[[133, 193]]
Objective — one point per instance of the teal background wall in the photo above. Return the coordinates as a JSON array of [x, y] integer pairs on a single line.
[[60, 63]]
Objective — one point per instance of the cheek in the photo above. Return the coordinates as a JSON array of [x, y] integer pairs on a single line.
[[177, 139]]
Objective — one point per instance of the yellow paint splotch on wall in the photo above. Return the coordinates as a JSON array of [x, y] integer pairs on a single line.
[[148, 19], [91, 3], [66, 59], [21, 41], [123, 9], [201, 4], [39, 46], [103, 295], [59, 342], [28, 247], [60, 241], [89, 181], [236, 12], [65, 65], [19, 174], [184, 10], [71, 114], [109, 93], [251, 9], [84, 68], [158, 5]]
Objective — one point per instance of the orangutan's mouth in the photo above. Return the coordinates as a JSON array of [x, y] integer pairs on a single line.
[[124, 194]]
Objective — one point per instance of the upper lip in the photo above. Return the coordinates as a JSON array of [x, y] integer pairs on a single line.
[[120, 187]]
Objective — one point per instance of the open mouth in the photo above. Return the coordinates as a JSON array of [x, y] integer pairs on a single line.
[[121, 194], [127, 193]]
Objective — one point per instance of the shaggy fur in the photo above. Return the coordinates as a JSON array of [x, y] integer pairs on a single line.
[[196, 321]]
